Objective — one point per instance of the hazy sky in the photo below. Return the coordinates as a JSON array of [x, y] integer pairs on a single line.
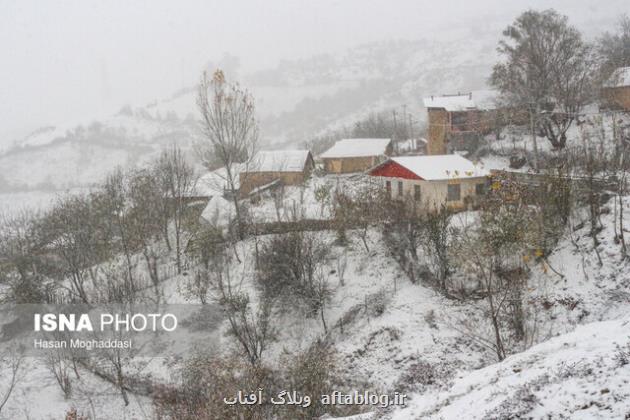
[[65, 61]]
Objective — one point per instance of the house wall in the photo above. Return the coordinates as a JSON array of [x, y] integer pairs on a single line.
[[348, 165], [458, 130], [438, 122], [251, 180], [434, 193], [355, 164], [617, 98]]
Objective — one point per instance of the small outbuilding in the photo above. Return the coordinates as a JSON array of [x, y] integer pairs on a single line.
[[355, 155], [433, 181], [616, 90]]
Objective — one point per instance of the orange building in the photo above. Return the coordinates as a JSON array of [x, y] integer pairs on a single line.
[[456, 121]]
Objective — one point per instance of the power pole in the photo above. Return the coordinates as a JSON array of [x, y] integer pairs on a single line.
[[394, 133]]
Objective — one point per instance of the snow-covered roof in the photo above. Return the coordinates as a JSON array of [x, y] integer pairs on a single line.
[[440, 167], [215, 182], [619, 78], [279, 161], [357, 148], [477, 99], [218, 211]]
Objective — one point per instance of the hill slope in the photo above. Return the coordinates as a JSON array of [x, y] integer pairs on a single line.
[[580, 375], [296, 100]]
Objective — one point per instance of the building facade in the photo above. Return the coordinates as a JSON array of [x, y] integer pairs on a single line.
[[457, 122], [433, 181], [288, 167], [355, 155]]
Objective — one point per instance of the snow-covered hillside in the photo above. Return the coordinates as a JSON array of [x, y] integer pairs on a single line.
[[83, 155], [584, 374], [295, 101]]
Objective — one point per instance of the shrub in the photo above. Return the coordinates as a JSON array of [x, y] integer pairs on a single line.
[[292, 268]]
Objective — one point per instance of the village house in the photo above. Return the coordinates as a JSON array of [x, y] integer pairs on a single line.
[[456, 122], [616, 90], [433, 180], [355, 155], [283, 167], [266, 169]]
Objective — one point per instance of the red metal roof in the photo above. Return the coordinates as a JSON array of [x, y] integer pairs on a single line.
[[393, 170]]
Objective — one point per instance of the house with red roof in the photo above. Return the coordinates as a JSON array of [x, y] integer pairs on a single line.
[[433, 180]]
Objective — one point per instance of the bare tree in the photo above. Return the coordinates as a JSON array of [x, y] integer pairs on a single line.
[[314, 371], [547, 69], [207, 250], [437, 234], [116, 191], [21, 263], [249, 323], [59, 365], [620, 168], [342, 208], [145, 201], [420, 242], [13, 361], [395, 124], [78, 229], [403, 236], [177, 180], [293, 269], [206, 379], [494, 253], [118, 295], [366, 209], [483, 263], [613, 49], [230, 129]]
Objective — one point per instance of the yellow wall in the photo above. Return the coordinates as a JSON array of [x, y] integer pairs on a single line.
[[438, 121], [349, 165]]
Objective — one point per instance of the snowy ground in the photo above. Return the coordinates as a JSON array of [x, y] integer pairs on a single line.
[[37, 396], [573, 372], [415, 328], [579, 375]]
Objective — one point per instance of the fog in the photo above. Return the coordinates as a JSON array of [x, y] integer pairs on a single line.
[[66, 61]]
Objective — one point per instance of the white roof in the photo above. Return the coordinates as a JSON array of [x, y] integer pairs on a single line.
[[619, 78], [218, 212], [357, 148], [213, 183], [478, 99], [279, 161], [441, 167]]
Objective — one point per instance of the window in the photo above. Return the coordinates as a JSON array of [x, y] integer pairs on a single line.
[[459, 121], [480, 189], [416, 192], [400, 189], [388, 187], [454, 192]]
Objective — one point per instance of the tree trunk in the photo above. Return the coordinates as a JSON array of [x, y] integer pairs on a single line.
[[532, 115]]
